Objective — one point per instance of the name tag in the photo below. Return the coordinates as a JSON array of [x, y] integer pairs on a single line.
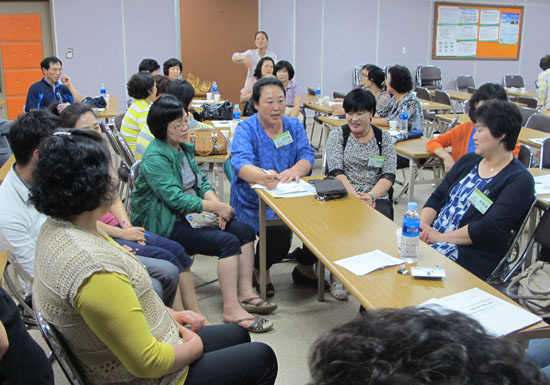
[[282, 139], [480, 201], [376, 161]]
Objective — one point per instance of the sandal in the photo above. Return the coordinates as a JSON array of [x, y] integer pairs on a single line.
[[337, 290], [262, 307], [269, 289], [260, 325]]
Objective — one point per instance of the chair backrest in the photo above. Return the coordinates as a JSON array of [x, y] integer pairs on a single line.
[[466, 106], [531, 102], [338, 95], [428, 76], [126, 153], [134, 173], [442, 97], [422, 93], [539, 122], [451, 125], [59, 349], [118, 121], [525, 155], [526, 113], [464, 81], [515, 81], [471, 89], [27, 314], [110, 134], [311, 91], [545, 154]]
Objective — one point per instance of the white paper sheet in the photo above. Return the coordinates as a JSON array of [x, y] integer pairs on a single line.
[[542, 179], [542, 189], [490, 17], [467, 32], [448, 15], [225, 123], [368, 262], [488, 33], [509, 28], [469, 16], [497, 316], [289, 190]]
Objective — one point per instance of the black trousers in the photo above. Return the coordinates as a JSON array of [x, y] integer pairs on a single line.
[[279, 239], [230, 358]]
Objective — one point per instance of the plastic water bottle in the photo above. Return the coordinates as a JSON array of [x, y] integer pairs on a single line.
[[410, 233], [318, 90], [103, 91], [214, 88], [236, 112], [404, 120]]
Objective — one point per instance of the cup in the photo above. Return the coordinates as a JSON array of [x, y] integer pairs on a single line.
[[393, 125], [522, 89], [209, 96], [106, 97], [217, 97]]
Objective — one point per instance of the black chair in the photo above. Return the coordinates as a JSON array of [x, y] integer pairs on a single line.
[[515, 81], [429, 77], [545, 154], [531, 102], [466, 106], [118, 121], [442, 97], [464, 81], [471, 90], [526, 113], [338, 95], [423, 93], [525, 155], [311, 91], [539, 122]]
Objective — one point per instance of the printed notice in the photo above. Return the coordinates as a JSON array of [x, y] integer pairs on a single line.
[[467, 32], [466, 48], [446, 40], [448, 15], [488, 33], [509, 28], [468, 16], [490, 17]]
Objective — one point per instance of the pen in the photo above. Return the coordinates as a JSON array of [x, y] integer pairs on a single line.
[[124, 222], [268, 173]]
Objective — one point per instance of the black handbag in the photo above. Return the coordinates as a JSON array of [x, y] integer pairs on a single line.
[[329, 188], [219, 111], [249, 108], [98, 102]]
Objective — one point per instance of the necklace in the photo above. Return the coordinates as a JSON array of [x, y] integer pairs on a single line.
[[362, 136]]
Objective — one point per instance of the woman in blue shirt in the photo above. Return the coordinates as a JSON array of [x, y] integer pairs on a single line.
[[257, 146]]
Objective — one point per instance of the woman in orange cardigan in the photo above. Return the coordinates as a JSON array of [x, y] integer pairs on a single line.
[[460, 138]]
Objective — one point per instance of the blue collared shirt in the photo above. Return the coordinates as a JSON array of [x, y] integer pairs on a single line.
[[41, 94]]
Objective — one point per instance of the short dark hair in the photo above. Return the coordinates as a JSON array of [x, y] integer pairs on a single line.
[[72, 174], [286, 65], [171, 63], [401, 79], [48, 61], [359, 100], [258, 70], [162, 83], [70, 114], [140, 85], [164, 110], [264, 33], [182, 90], [502, 118], [544, 63], [28, 131], [417, 346], [148, 65], [264, 82], [487, 91], [370, 67], [378, 77]]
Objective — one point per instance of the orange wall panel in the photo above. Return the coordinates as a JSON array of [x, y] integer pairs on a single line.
[[20, 27], [15, 106], [19, 81], [21, 55]]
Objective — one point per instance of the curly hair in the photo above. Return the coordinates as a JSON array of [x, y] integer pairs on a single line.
[[401, 79], [544, 63], [162, 84], [173, 62], [164, 110], [140, 85], [417, 346], [487, 91], [72, 174], [258, 70]]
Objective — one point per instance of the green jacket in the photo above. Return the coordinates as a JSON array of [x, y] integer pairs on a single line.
[[158, 199]]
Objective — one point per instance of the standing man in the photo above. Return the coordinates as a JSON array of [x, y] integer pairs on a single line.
[[53, 86]]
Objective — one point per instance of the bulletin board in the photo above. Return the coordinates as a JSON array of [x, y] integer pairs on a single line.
[[477, 31]]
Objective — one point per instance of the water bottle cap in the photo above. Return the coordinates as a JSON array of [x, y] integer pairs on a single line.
[[236, 105], [412, 206]]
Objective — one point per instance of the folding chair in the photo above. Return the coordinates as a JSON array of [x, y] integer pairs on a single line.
[[123, 170], [442, 97], [429, 77], [464, 81], [311, 91], [531, 102], [545, 154], [27, 314], [338, 95], [526, 113], [471, 90], [423, 93], [515, 81], [539, 122], [134, 173], [525, 155]]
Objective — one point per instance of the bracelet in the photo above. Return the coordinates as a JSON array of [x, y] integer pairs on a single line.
[[372, 195]]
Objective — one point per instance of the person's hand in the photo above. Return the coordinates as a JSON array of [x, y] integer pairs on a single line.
[[189, 317], [448, 163], [129, 249], [271, 179], [289, 175], [65, 80], [134, 234], [428, 234], [221, 223], [225, 211], [367, 198]]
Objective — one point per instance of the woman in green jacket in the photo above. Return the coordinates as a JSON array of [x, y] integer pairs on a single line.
[[169, 187]]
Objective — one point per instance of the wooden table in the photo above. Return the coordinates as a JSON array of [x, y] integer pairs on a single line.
[[111, 110], [428, 105], [448, 118], [456, 95], [215, 166], [312, 102], [517, 93]]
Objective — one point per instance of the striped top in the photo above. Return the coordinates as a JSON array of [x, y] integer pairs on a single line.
[[543, 90], [134, 121]]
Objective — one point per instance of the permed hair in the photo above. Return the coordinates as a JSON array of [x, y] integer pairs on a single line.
[[140, 85], [401, 79]]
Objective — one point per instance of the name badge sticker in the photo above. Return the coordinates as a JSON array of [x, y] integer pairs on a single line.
[[480, 201], [376, 161], [282, 139]]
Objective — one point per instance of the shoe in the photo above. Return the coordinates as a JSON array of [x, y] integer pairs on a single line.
[[262, 307], [292, 255], [270, 290], [299, 278], [338, 291], [260, 325]]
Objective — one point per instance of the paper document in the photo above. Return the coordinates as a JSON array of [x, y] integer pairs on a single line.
[[542, 189], [225, 123], [289, 190], [545, 179], [497, 316], [368, 262]]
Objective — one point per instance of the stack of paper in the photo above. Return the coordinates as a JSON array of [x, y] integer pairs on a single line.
[[497, 316], [542, 184], [368, 262], [289, 190]]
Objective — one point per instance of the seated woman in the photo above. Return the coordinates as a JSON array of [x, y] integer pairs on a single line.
[[251, 57], [361, 155], [99, 297], [484, 196], [285, 73], [172, 68], [117, 225], [143, 89], [461, 137], [169, 187], [263, 68], [256, 148], [162, 83]]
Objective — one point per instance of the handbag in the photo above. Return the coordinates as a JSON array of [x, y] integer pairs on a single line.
[[208, 141], [219, 111], [201, 86], [329, 188], [202, 219], [249, 108], [533, 289]]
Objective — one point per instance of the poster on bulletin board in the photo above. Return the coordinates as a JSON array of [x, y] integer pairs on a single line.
[[477, 31]]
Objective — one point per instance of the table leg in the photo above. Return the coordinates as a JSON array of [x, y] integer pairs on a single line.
[[412, 170], [263, 250], [320, 281], [220, 175]]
